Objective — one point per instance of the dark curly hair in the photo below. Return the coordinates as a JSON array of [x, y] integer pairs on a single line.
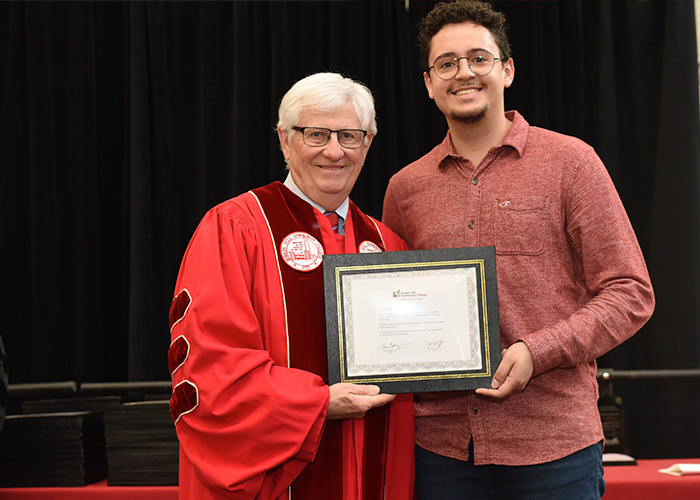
[[474, 11]]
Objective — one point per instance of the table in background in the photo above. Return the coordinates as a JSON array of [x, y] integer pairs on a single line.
[[97, 491], [623, 482], [644, 481]]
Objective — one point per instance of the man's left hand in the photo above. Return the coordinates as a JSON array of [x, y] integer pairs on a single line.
[[513, 374]]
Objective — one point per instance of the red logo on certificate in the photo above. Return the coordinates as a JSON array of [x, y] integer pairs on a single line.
[[301, 251], [369, 247]]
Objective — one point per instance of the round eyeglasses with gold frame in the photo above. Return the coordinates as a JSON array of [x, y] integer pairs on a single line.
[[481, 63]]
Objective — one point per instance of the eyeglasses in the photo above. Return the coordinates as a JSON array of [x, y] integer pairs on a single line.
[[480, 62], [317, 136]]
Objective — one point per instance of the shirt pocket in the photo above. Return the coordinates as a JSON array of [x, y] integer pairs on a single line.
[[519, 225]]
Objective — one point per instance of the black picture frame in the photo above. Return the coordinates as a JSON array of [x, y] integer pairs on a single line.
[[348, 277]]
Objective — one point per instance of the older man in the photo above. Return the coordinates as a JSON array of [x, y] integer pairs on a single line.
[[253, 411]]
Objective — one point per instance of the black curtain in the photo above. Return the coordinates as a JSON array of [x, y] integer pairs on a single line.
[[121, 123]]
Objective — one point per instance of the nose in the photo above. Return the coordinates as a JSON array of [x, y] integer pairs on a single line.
[[463, 68], [333, 150]]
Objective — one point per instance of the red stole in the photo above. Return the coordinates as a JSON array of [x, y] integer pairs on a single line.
[[303, 292]]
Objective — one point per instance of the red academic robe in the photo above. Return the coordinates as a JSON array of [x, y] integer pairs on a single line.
[[248, 362]]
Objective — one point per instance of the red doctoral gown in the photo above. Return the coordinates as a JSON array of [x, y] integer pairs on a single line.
[[248, 362]]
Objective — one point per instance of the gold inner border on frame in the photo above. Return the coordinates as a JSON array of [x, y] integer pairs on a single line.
[[410, 378]]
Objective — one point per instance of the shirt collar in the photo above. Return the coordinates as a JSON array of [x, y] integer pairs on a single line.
[[342, 210], [516, 138]]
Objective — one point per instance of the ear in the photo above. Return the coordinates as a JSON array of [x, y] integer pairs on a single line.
[[284, 142], [365, 148], [508, 73], [428, 84]]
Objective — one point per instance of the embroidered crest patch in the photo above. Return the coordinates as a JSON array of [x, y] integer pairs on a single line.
[[369, 247], [301, 251]]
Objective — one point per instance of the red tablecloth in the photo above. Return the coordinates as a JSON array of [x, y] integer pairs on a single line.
[[623, 482], [97, 491], [644, 481]]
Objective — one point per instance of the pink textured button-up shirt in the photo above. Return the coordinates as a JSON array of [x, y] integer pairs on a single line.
[[572, 284]]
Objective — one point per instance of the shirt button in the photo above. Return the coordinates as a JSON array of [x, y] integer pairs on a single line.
[[475, 181], [472, 224], [475, 410]]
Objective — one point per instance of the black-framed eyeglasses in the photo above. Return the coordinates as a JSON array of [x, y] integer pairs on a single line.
[[481, 63], [350, 138]]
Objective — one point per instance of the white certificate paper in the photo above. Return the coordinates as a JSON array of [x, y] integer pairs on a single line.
[[410, 321]]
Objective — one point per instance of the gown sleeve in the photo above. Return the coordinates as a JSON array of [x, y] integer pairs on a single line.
[[246, 423]]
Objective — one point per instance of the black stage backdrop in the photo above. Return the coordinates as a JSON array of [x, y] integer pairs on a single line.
[[121, 123]]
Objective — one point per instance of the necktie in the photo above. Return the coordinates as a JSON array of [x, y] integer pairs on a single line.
[[333, 219]]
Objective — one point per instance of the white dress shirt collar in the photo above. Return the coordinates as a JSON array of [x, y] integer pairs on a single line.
[[342, 210]]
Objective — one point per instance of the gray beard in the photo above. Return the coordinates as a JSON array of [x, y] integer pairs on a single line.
[[470, 117]]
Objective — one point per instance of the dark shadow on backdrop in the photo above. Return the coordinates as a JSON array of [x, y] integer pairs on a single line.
[[121, 123]]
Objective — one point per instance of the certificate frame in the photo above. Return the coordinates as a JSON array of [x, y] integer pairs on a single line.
[[379, 334]]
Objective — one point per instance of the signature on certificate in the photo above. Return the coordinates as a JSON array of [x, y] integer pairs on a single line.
[[435, 346], [390, 347]]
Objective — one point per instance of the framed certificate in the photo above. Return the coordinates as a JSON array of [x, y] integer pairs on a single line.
[[413, 321]]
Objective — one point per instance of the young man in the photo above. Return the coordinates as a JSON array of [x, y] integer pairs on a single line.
[[253, 411], [572, 281]]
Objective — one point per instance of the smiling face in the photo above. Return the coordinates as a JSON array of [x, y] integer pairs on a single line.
[[468, 98], [326, 174]]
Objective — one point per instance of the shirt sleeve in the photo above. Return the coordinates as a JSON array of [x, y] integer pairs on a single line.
[[613, 274], [391, 215], [252, 424]]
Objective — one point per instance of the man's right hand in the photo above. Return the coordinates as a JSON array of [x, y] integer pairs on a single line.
[[354, 400]]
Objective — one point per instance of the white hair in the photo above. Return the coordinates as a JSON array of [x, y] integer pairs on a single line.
[[327, 92]]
